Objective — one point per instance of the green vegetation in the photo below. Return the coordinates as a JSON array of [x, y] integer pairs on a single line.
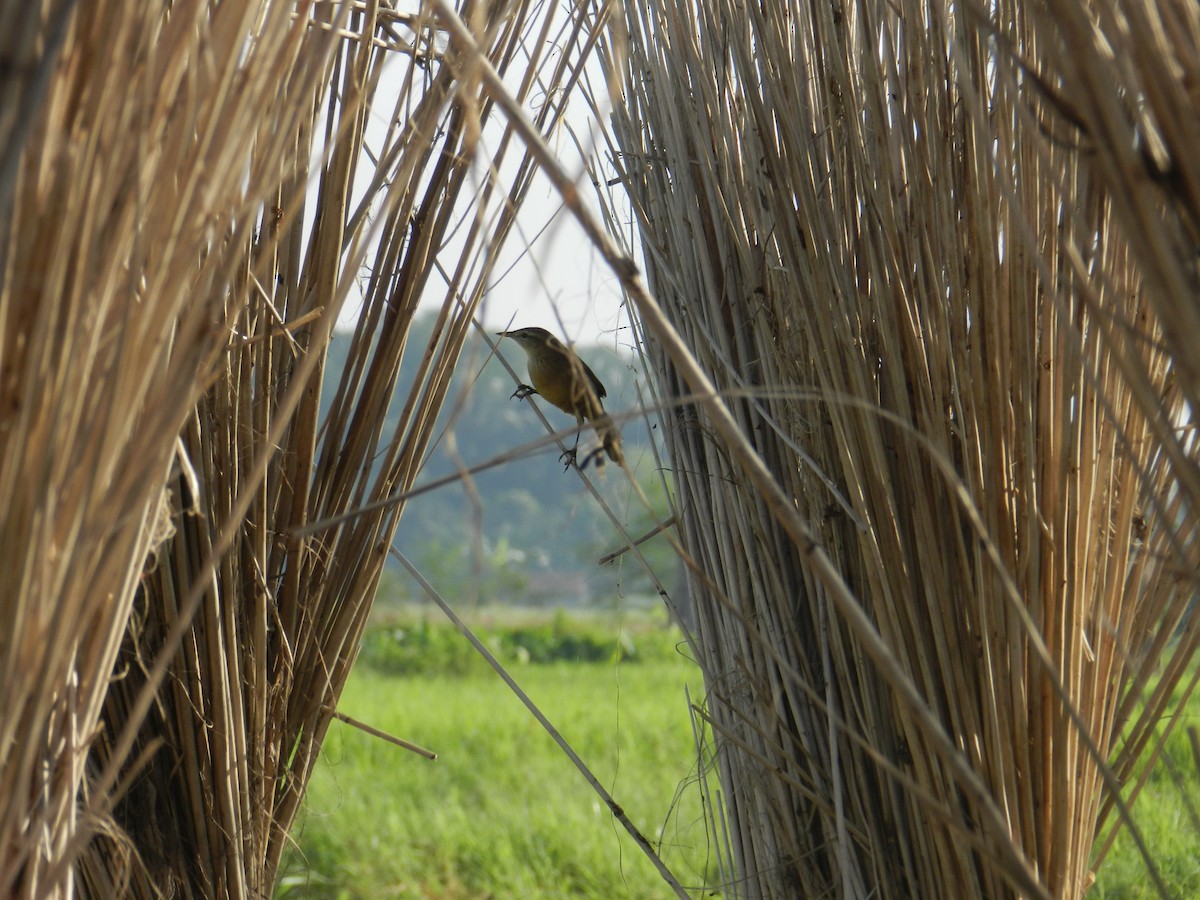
[[419, 646], [1173, 840], [501, 812], [1168, 815]]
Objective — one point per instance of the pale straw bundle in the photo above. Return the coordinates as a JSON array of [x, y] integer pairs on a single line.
[[939, 261], [174, 257]]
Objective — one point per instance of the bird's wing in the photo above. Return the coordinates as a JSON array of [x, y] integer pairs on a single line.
[[597, 384]]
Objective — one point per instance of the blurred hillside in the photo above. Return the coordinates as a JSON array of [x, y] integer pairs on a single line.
[[531, 533]]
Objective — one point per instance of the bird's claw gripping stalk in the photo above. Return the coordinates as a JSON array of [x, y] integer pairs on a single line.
[[570, 458]]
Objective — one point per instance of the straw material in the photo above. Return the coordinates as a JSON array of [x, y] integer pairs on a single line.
[[941, 270], [174, 258]]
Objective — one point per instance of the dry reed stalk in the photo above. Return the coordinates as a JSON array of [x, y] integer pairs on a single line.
[[170, 285], [125, 172], [898, 253]]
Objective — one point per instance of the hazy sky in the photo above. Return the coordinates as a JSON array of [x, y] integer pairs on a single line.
[[549, 275], [562, 283]]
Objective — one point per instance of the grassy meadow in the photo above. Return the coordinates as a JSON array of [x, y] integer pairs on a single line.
[[1168, 814], [502, 814]]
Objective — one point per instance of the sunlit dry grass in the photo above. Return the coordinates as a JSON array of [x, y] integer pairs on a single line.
[[174, 256], [940, 263]]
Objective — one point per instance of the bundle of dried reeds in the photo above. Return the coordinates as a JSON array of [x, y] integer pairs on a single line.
[[130, 169], [940, 263], [173, 260]]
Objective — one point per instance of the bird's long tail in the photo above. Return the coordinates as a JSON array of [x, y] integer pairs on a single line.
[[610, 438]]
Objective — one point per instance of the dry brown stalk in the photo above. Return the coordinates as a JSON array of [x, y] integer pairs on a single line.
[[916, 242], [172, 647]]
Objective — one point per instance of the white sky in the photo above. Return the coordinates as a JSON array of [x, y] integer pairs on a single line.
[[561, 282]]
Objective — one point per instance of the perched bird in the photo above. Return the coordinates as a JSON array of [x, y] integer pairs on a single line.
[[564, 380]]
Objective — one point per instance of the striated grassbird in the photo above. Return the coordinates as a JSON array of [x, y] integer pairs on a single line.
[[564, 380]]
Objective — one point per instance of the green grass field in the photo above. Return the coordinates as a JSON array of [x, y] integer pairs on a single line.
[[502, 813], [1168, 815]]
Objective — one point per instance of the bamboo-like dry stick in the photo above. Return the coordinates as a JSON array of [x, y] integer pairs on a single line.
[[375, 732], [638, 541]]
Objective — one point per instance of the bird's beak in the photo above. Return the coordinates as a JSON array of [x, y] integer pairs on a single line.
[[501, 334]]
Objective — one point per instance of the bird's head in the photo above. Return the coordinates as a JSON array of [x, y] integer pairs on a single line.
[[531, 338]]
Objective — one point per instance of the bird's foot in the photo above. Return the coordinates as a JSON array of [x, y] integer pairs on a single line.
[[522, 391], [595, 457], [571, 458]]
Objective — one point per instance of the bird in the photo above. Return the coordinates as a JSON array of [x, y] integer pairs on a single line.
[[564, 380]]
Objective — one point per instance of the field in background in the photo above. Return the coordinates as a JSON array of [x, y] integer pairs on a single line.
[[1168, 814], [502, 813]]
